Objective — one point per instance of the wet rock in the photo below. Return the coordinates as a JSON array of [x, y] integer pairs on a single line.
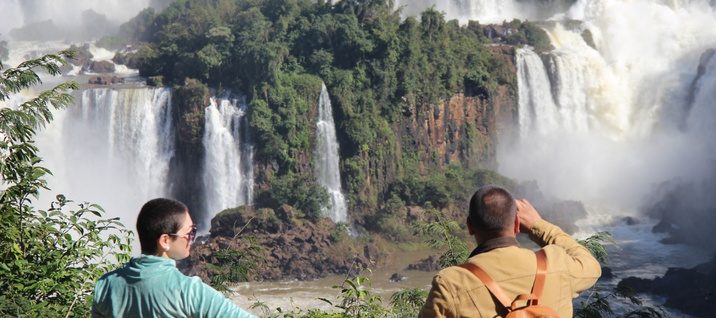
[[429, 264], [628, 220], [99, 67], [607, 274], [396, 277], [105, 80], [689, 290]]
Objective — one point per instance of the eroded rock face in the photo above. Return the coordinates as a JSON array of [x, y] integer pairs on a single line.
[[287, 249]]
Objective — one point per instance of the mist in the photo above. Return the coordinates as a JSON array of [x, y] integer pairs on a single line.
[[74, 20], [622, 123]]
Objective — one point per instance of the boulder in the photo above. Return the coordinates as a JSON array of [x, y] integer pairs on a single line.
[[396, 277], [101, 67], [428, 264]]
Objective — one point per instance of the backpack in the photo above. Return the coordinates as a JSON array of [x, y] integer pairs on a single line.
[[532, 308]]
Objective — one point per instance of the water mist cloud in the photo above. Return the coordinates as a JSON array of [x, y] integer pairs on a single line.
[[67, 19]]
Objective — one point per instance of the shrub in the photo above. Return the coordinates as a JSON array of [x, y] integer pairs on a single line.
[[50, 258]]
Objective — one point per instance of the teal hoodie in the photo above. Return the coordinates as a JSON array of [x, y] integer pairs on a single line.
[[152, 286]]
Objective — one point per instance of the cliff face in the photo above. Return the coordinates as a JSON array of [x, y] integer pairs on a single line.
[[460, 129], [186, 166]]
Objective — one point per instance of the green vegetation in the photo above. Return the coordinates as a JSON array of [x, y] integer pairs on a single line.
[[380, 71], [49, 259]]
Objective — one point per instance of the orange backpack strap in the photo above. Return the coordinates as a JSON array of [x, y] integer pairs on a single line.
[[496, 291], [538, 286], [489, 283]]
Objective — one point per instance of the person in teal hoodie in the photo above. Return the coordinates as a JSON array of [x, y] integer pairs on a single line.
[[150, 285]]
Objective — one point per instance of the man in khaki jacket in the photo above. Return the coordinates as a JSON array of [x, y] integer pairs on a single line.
[[495, 218]]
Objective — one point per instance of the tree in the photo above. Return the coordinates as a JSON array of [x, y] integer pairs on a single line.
[[49, 259]]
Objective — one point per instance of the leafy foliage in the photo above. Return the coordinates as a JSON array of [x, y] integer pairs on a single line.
[[234, 265], [299, 191], [50, 258], [596, 245], [408, 302], [377, 68], [441, 234]]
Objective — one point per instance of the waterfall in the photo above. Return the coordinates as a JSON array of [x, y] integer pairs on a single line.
[[112, 148], [326, 159], [537, 111], [228, 160], [485, 11]]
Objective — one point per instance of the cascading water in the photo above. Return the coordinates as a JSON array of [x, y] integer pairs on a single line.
[[112, 147], [326, 159], [622, 105], [607, 110], [228, 161], [486, 11]]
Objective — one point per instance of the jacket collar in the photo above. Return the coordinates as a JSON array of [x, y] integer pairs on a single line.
[[494, 243]]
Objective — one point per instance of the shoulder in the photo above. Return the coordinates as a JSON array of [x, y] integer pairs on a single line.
[[112, 276], [456, 278]]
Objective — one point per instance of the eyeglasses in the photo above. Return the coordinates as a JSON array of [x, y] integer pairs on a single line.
[[191, 236]]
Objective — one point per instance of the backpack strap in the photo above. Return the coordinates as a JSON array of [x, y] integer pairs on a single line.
[[489, 283], [537, 286]]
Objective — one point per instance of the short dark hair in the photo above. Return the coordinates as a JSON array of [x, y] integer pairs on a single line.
[[492, 209], [157, 217]]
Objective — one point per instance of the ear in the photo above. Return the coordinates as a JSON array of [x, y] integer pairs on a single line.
[[470, 230], [163, 243], [517, 225]]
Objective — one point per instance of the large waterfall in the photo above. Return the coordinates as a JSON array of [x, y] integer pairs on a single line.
[[113, 147], [326, 159], [228, 160], [599, 115]]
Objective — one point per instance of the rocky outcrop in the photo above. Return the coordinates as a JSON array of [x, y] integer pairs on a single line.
[[105, 80], [428, 264], [685, 210], [289, 247], [188, 103], [100, 67], [688, 290]]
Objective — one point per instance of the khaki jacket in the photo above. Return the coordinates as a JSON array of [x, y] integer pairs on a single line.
[[456, 292]]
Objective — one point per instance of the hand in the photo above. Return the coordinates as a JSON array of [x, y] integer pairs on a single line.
[[527, 214]]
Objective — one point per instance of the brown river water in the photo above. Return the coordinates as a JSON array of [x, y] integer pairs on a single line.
[[302, 295]]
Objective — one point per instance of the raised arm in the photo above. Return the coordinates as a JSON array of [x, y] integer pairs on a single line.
[[581, 264]]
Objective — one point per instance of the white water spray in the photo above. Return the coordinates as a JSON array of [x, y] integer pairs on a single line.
[[112, 148], [228, 161], [326, 159]]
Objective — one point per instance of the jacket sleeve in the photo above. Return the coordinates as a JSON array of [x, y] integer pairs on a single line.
[[440, 302], [97, 310], [205, 302], [581, 264]]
